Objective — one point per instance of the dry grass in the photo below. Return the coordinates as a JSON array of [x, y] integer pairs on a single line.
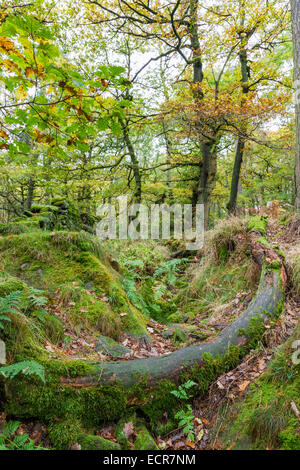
[[229, 234], [225, 270], [293, 265]]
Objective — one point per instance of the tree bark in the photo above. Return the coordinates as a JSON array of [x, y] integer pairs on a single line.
[[295, 5], [238, 159], [135, 164], [240, 143], [30, 193], [208, 149]]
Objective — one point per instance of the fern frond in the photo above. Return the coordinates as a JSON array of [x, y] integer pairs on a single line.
[[24, 367]]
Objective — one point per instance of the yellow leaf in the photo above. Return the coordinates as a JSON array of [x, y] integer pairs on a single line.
[[29, 72], [6, 44], [200, 435], [21, 93]]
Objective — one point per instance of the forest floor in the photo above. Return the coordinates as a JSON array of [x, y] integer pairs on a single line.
[[210, 410]]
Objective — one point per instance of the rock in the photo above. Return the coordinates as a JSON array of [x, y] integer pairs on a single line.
[[176, 332], [89, 285], [140, 434], [144, 440], [195, 332], [24, 266], [110, 347], [89, 442]]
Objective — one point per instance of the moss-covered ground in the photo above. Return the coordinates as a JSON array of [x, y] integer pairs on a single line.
[[265, 418]]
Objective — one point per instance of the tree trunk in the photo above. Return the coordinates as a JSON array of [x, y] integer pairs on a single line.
[[295, 4], [240, 145], [209, 155], [30, 193], [238, 159], [135, 164]]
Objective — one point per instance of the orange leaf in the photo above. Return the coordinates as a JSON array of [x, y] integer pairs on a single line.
[[190, 444], [244, 385]]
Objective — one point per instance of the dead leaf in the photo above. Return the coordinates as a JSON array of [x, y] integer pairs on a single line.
[[198, 422], [244, 385], [220, 385], [200, 435], [128, 429], [75, 447], [190, 444]]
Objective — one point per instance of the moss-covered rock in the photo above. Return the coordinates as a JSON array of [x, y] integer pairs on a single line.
[[11, 284], [89, 442], [176, 332], [63, 433], [49, 260], [111, 348], [144, 440]]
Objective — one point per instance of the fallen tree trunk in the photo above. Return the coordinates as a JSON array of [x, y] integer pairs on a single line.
[[266, 304]]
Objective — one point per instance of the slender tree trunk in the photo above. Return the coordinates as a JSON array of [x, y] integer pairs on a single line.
[[295, 4], [165, 127], [238, 158], [30, 194], [240, 144], [207, 179], [134, 163], [169, 154], [208, 171]]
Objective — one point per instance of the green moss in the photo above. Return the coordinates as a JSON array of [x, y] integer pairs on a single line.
[[89, 442], [254, 332], [50, 260], [63, 434], [144, 440], [257, 223], [11, 284], [176, 332], [11, 228], [274, 265], [211, 368], [265, 418], [290, 436], [26, 398], [264, 241], [159, 401], [119, 431]]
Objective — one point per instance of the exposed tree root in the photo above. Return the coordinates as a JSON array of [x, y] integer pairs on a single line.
[[267, 303]]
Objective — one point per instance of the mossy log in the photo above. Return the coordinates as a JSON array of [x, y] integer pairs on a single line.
[[266, 304]]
